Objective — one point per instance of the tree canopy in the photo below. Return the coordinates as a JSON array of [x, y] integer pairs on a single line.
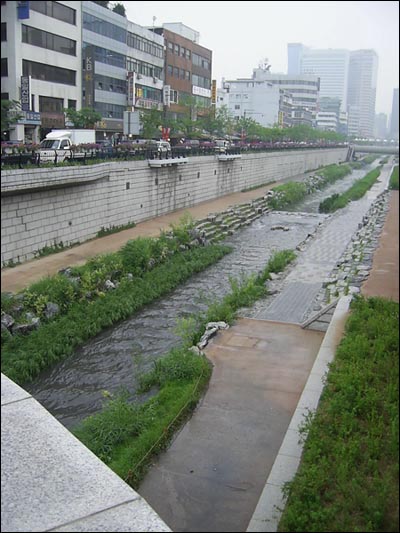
[[86, 118]]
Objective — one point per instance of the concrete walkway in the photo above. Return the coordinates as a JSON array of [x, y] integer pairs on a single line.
[[211, 477]]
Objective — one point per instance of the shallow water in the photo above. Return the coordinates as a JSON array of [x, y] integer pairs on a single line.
[[113, 360]]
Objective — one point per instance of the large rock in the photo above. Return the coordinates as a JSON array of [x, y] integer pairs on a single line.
[[7, 320], [51, 310]]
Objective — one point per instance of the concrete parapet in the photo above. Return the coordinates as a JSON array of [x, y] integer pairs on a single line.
[[51, 481]]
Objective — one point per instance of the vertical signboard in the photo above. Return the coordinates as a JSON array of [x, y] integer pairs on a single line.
[[23, 10], [88, 76], [25, 93], [131, 88], [214, 92], [167, 95]]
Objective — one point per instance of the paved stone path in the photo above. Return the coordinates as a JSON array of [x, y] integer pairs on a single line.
[[314, 265]]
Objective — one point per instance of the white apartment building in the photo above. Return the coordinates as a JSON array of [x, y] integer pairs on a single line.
[[363, 73], [330, 65], [41, 63], [259, 97]]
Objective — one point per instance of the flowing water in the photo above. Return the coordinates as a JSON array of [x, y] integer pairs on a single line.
[[112, 361]]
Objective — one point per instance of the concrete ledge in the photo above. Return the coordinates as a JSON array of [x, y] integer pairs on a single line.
[[229, 157], [271, 504], [157, 163], [51, 482]]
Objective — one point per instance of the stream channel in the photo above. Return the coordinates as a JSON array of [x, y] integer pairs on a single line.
[[74, 388]]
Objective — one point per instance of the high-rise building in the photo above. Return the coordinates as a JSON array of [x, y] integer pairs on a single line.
[[330, 65], [328, 116], [380, 129], [363, 72], [394, 118]]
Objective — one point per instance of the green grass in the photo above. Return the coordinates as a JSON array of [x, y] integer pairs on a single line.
[[348, 477], [114, 229], [368, 159], [394, 179], [24, 357], [126, 436], [287, 195], [356, 191]]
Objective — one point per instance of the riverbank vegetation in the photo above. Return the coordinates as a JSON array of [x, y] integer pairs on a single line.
[[290, 193], [126, 436], [348, 477], [47, 321], [394, 179], [356, 191]]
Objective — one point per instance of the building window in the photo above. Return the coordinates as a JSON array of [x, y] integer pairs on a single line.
[[4, 67], [3, 31], [144, 45], [102, 27], [173, 96], [51, 105], [109, 57], [110, 110], [55, 10], [47, 40], [40, 71], [237, 106]]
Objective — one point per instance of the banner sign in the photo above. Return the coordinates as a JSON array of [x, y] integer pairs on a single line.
[[25, 93], [88, 76]]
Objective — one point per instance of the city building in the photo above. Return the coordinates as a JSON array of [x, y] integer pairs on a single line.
[[328, 116], [380, 129], [123, 68], [363, 73], [188, 67], [272, 99], [330, 65], [58, 55], [394, 117], [41, 64]]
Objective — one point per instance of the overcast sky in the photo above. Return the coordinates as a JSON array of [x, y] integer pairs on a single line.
[[242, 33]]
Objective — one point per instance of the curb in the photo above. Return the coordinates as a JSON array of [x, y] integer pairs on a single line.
[[271, 504]]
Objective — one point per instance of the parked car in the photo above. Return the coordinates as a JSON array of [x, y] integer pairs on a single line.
[[162, 148]]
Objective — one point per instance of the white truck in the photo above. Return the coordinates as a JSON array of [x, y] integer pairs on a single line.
[[61, 145]]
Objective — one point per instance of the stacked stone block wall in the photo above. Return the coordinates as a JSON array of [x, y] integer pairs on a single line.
[[44, 206]]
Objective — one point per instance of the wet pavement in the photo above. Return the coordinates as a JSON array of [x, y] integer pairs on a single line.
[[212, 475]]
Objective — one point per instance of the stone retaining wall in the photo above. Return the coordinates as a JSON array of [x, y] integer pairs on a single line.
[[44, 206]]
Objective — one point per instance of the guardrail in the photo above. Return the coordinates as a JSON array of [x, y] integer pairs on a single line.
[[22, 160]]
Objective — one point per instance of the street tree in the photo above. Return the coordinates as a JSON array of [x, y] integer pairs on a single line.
[[86, 118], [10, 114]]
